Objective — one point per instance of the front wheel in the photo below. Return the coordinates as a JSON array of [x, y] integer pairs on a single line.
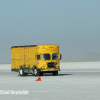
[[55, 73]]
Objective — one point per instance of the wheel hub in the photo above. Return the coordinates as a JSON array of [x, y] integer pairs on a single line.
[[21, 71], [35, 71]]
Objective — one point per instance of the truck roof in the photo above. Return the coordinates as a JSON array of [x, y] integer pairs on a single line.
[[32, 45], [24, 46]]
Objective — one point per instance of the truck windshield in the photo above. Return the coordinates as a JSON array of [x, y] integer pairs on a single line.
[[54, 57], [46, 57]]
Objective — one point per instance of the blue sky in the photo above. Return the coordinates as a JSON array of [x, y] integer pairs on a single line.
[[72, 24]]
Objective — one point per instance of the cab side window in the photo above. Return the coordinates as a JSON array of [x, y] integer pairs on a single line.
[[38, 57]]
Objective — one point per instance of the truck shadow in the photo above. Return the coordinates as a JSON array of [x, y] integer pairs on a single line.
[[57, 75], [64, 74], [50, 75]]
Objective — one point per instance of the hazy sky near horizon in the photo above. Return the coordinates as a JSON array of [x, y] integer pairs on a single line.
[[72, 24]]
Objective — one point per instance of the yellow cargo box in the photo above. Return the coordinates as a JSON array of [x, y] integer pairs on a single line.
[[35, 59]]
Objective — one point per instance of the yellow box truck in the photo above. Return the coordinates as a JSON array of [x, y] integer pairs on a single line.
[[35, 59]]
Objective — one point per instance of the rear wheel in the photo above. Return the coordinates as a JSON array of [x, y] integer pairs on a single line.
[[21, 72], [35, 71], [26, 74], [55, 73], [41, 74]]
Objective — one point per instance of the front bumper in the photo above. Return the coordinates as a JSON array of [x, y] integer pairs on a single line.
[[49, 69]]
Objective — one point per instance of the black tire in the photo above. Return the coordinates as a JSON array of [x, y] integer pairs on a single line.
[[41, 74], [26, 74], [35, 72], [21, 72], [55, 73]]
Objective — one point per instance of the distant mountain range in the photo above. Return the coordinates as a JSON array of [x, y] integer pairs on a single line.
[[84, 57]]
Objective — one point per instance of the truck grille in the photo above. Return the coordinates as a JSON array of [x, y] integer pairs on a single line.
[[51, 65]]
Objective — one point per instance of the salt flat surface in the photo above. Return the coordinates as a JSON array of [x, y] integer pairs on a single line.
[[5, 66], [75, 81], [80, 64]]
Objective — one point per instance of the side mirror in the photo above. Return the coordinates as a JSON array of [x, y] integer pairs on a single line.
[[60, 57], [38, 57]]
